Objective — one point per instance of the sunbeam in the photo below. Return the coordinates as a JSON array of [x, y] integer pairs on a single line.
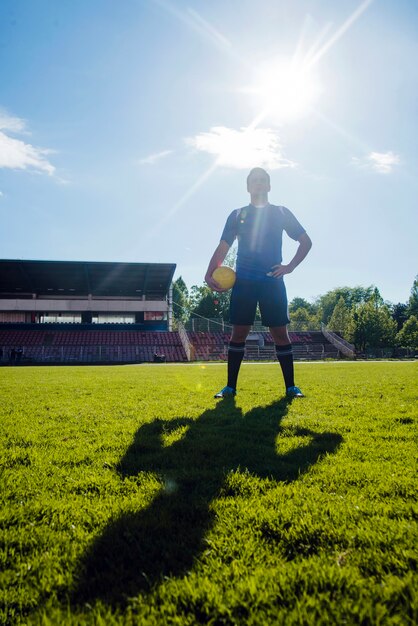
[[349, 137], [193, 20], [189, 193], [340, 32]]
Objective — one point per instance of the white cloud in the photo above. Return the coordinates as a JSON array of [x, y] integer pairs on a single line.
[[1, 194], [17, 154], [381, 162], [153, 158], [243, 148], [13, 124]]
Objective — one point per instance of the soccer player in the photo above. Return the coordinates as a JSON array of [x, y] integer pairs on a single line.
[[259, 228]]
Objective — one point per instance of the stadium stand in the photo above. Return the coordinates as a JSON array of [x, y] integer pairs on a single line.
[[56, 345], [88, 312], [92, 346], [210, 346], [65, 312]]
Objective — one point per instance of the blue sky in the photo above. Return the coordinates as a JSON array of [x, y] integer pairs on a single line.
[[127, 130]]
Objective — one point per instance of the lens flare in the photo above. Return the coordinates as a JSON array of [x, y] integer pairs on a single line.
[[286, 90]]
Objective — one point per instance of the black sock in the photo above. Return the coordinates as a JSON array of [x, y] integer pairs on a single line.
[[285, 358], [235, 356]]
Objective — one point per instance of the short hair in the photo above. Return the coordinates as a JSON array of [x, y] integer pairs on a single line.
[[258, 169]]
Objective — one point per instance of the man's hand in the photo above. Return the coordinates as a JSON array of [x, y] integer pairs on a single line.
[[305, 244], [280, 270], [213, 284], [216, 260]]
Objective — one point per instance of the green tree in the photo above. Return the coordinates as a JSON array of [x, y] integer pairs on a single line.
[[376, 298], [408, 336], [207, 303], [302, 319], [413, 299], [372, 326], [400, 314], [196, 294], [341, 318], [206, 307], [180, 300], [301, 303], [352, 296]]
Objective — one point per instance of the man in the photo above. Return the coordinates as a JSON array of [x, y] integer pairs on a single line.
[[259, 228]]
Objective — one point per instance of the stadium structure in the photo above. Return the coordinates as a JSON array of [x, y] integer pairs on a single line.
[[65, 312]]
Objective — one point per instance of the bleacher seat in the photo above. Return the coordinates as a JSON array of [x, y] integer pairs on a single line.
[[120, 346], [88, 346], [306, 345]]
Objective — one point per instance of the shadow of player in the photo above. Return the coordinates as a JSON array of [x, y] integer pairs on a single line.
[[140, 548]]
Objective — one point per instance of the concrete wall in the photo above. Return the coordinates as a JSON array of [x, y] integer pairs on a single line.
[[78, 306]]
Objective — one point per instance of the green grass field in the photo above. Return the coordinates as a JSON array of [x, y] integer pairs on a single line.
[[131, 496]]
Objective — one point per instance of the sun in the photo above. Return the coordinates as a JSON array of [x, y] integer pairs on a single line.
[[285, 90]]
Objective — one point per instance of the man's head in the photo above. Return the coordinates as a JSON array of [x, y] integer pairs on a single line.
[[258, 182]]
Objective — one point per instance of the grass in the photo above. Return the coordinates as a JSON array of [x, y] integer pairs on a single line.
[[130, 496]]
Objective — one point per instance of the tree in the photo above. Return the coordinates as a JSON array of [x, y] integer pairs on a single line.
[[341, 318], [301, 303], [196, 294], [400, 314], [206, 307], [375, 297], [180, 300], [408, 336], [207, 303], [372, 326], [301, 319], [413, 299], [352, 296]]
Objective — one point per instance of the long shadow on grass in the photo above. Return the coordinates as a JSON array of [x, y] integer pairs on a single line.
[[140, 548]]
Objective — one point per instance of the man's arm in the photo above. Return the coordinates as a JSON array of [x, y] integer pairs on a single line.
[[216, 260], [305, 244]]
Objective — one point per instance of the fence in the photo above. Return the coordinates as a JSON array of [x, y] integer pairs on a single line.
[[206, 325]]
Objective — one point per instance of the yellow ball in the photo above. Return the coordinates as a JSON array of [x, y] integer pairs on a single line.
[[224, 276]]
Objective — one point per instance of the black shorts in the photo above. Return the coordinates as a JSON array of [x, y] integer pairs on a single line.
[[269, 294]]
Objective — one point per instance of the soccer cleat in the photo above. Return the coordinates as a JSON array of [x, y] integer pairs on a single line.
[[294, 392], [226, 392]]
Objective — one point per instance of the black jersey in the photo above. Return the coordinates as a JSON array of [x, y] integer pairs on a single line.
[[259, 232]]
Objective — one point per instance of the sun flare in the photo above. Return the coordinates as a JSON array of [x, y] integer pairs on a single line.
[[285, 90]]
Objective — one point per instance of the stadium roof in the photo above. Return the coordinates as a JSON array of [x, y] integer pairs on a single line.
[[81, 278]]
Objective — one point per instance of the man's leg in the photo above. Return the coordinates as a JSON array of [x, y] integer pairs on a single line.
[[236, 352], [275, 315], [284, 354], [235, 355], [242, 310]]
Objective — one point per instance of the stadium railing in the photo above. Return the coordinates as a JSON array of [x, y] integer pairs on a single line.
[[346, 348]]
